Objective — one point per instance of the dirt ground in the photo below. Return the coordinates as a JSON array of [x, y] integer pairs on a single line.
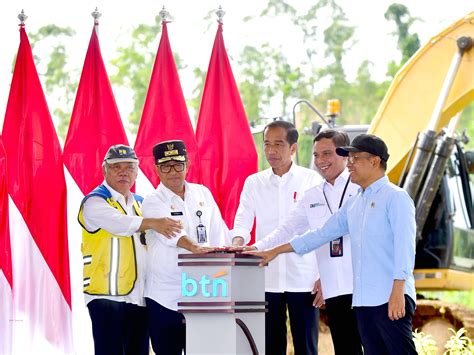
[[324, 342]]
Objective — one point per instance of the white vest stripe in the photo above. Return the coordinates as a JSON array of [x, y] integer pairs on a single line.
[[114, 266]]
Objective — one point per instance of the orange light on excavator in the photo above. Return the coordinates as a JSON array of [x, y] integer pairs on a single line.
[[333, 107]]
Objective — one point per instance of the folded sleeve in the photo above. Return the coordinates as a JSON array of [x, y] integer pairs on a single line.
[[403, 225], [98, 214]]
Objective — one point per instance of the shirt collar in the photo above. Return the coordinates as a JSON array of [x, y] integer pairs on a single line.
[[291, 172], [377, 185], [117, 196], [170, 195], [340, 180]]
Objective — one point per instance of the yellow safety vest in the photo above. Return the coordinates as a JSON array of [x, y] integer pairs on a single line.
[[110, 266]]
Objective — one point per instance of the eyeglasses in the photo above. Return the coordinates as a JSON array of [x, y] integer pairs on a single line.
[[352, 159], [167, 168], [117, 168]]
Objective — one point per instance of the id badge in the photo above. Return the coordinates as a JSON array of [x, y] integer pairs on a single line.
[[336, 247], [201, 234]]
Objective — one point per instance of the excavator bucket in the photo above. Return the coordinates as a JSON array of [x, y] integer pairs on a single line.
[[411, 98]]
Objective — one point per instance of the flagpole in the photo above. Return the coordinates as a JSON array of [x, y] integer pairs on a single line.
[[96, 15]]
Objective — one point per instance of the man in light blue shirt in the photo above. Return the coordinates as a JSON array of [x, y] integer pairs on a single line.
[[381, 222]]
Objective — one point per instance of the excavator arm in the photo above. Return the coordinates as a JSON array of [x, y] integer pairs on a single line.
[[411, 98]]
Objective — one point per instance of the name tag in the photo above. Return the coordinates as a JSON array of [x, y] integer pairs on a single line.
[[336, 248], [201, 234], [317, 204], [176, 213]]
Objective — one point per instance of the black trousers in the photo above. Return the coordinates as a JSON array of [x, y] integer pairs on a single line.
[[343, 325], [167, 329], [118, 328], [304, 323], [380, 335]]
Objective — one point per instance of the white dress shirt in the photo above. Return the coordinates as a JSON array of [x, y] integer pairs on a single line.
[[163, 283], [310, 213], [270, 198], [99, 214]]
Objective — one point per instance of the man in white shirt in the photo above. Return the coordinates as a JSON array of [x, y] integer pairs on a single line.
[[269, 196], [193, 206], [334, 258], [114, 259]]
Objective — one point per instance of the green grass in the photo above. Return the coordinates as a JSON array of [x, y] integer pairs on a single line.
[[465, 298]]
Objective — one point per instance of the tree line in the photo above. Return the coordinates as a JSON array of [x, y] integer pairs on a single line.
[[267, 80]]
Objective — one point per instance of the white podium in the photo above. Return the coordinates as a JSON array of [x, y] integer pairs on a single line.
[[223, 301]]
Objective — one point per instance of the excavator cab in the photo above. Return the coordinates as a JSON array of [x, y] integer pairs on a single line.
[[445, 253]]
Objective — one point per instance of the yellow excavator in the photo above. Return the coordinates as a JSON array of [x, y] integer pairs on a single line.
[[417, 119]]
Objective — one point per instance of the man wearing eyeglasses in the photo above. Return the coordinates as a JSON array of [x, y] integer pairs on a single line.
[[193, 206], [381, 222], [114, 259]]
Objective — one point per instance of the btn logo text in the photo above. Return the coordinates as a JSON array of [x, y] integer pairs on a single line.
[[209, 286]]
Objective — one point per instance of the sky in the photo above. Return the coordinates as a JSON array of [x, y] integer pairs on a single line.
[[191, 36]]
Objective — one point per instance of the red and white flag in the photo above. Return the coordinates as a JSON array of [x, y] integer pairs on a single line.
[[42, 295], [165, 115], [226, 146], [95, 122], [6, 276], [95, 126]]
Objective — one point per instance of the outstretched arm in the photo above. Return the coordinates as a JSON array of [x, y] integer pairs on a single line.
[[166, 226], [186, 243], [269, 255]]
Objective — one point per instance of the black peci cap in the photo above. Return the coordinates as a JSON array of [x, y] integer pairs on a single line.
[[366, 143], [170, 150], [120, 153]]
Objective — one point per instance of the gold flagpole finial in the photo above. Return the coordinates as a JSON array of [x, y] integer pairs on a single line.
[[220, 14]]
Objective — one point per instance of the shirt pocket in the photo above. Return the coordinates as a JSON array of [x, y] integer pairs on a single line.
[[376, 223], [317, 213]]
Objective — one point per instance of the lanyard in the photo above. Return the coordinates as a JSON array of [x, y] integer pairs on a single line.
[[340, 201]]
